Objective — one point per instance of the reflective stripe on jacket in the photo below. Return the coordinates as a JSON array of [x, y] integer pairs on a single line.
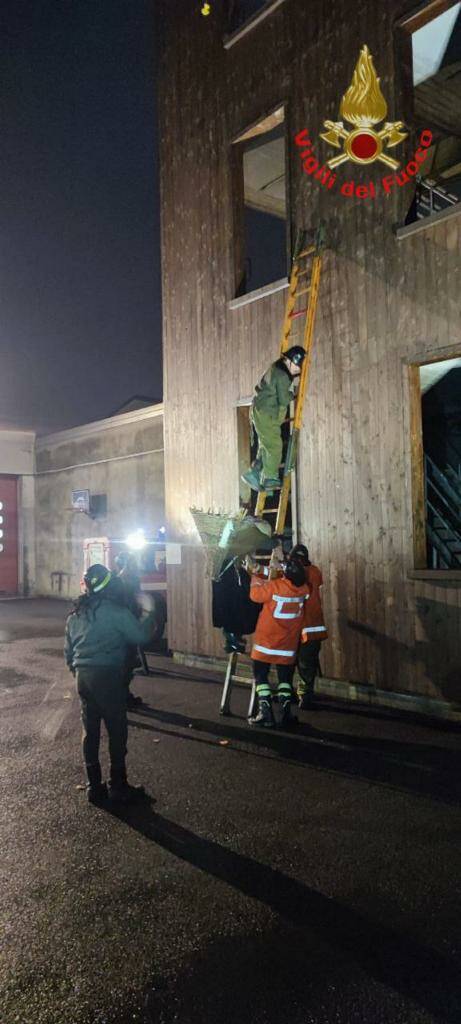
[[313, 625], [278, 628]]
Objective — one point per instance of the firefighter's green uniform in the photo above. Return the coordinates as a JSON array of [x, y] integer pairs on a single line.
[[268, 411], [96, 644]]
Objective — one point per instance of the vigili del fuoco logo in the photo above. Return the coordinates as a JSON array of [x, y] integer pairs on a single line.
[[364, 107]]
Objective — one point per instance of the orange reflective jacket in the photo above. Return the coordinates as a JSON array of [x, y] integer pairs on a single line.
[[278, 628], [313, 625]]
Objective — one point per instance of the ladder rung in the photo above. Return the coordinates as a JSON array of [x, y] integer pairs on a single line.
[[268, 511], [304, 273], [304, 291], [299, 312], [306, 252]]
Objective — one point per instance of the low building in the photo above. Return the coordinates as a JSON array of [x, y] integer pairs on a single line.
[[101, 479]]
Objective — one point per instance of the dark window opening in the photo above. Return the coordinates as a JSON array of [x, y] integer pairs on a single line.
[[152, 560], [98, 506], [440, 385], [262, 213], [433, 53]]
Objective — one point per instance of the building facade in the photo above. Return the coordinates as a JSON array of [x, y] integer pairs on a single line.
[[237, 88], [119, 461], [103, 479]]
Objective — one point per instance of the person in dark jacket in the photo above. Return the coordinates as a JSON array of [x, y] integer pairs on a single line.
[[232, 610], [99, 631], [127, 574], [272, 397]]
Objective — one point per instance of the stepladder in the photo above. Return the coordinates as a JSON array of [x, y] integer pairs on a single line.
[[298, 329], [232, 677]]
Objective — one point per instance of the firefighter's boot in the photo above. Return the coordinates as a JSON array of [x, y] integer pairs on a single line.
[[287, 720], [233, 642], [253, 475], [120, 791], [270, 484], [132, 701], [265, 717], [96, 789]]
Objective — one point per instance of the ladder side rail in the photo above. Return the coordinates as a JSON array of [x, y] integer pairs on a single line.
[[285, 343], [299, 403], [227, 688], [308, 344], [291, 302]]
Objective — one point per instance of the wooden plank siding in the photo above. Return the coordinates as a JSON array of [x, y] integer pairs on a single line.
[[383, 303]]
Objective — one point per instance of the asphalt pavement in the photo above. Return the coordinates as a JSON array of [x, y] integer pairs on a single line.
[[271, 878]]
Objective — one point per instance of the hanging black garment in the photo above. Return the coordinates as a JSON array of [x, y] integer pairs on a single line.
[[232, 608]]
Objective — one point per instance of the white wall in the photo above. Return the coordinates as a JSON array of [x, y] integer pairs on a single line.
[[17, 452], [121, 457]]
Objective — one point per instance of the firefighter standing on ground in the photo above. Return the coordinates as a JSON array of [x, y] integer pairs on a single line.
[[98, 633], [276, 639], [313, 630], [268, 411]]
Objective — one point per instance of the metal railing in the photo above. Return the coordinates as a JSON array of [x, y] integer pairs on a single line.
[[443, 518], [432, 198]]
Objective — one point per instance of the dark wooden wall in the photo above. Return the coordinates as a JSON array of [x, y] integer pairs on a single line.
[[383, 302]]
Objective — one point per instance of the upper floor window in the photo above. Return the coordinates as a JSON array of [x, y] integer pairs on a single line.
[[261, 204], [432, 57]]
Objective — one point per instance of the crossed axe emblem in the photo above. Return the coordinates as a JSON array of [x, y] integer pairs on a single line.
[[391, 134]]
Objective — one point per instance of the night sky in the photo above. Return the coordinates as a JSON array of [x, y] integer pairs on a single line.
[[80, 313]]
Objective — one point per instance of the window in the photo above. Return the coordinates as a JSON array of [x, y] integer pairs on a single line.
[[246, 12], [98, 506], [261, 204], [431, 44], [436, 435]]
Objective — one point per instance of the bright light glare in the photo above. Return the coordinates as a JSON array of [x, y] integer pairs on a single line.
[[136, 541]]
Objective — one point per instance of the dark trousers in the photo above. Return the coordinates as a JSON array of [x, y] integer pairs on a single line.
[[308, 667], [261, 671], [130, 665], [102, 693]]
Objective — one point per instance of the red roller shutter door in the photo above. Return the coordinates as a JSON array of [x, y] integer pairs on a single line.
[[8, 535]]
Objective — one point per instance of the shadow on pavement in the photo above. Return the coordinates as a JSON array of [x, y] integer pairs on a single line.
[[421, 769], [398, 961]]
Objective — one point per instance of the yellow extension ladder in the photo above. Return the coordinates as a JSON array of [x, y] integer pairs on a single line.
[[298, 329]]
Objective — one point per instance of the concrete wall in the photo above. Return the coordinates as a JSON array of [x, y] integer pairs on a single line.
[[17, 459], [121, 457], [17, 452]]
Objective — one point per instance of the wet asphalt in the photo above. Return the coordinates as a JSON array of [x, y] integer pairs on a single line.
[[271, 878]]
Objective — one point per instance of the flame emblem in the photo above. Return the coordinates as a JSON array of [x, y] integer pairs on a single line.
[[363, 105]]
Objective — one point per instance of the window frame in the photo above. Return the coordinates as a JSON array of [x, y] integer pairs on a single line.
[[404, 29], [420, 569], [238, 204], [230, 38]]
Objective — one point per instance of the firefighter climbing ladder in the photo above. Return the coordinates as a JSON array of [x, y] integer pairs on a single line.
[[298, 329]]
